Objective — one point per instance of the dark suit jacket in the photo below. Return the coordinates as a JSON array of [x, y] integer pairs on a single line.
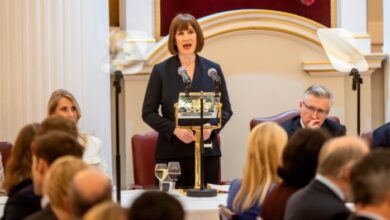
[[316, 201], [46, 214], [334, 128], [163, 90], [22, 203], [381, 136]]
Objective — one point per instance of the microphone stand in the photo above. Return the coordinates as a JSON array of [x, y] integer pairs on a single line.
[[356, 81], [118, 76]]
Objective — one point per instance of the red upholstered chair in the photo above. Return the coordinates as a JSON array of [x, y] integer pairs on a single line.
[[5, 150], [143, 147], [283, 117]]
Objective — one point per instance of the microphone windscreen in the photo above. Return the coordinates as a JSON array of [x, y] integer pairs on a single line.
[[211, 72], [181, 70]]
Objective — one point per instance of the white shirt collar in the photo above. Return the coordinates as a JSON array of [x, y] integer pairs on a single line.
[[331, 186], [302, 125], [45, 201]]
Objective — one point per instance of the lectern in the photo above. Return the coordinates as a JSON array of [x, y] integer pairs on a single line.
[[193, 111]]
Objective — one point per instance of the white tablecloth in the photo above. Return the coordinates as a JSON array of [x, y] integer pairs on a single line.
[[195, 208]]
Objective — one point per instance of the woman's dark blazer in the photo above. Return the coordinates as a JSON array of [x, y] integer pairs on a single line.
[[163, 90]]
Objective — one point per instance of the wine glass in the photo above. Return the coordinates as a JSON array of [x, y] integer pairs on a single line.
[[161, 172], [174, 172]]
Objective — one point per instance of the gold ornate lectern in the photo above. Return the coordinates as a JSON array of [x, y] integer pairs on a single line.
[[194, 111]]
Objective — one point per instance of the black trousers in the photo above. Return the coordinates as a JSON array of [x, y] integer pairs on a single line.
[[211, 167]]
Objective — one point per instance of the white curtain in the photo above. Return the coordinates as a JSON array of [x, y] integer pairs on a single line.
[[51, 44]]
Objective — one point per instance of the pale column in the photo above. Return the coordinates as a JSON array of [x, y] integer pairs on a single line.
[[386, 50], [47, 45], [138, 21], [352, 15]]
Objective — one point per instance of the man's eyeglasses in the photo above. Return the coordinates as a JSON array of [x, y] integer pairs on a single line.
[[313, 109]]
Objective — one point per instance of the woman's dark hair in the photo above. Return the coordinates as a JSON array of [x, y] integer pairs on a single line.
[[300, 156]]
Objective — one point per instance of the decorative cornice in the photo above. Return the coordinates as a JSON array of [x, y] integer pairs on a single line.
[[246, 20], [325, 68]]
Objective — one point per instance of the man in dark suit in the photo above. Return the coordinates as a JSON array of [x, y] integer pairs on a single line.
[[370, 182], [323, 198], [381, 136], [314, 109]]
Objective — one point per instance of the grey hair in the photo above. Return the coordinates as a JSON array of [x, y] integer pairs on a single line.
[[338, 153], [319, 91]]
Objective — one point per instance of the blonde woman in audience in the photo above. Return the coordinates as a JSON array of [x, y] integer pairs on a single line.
[[63, 103], [104, 211], [265, 145], [57, 181]]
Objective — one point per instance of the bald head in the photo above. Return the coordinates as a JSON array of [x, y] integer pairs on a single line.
[[88, 188], [340, 152]]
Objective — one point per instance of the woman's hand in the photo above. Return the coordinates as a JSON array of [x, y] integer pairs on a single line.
[[185, 135]]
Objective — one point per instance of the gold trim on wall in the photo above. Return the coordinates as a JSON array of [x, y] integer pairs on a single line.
[[220, 16], [216, 16], [247, 20], [265, 28], [157, 20], [333, 13]]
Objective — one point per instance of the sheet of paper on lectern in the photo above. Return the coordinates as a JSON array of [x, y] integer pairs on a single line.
[[341, 48]]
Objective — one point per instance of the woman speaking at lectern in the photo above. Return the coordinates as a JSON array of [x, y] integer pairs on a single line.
[[165, 83]]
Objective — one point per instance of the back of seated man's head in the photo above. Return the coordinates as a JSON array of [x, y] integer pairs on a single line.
[[55, 144], [336, 159], [46, 149], [58, 123], [315, 106], [57, 181], [338, 153], [155, 205], [88, 188], [370, 179]]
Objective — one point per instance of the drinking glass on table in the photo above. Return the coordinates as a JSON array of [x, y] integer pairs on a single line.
[[174, 172], [161, 172]]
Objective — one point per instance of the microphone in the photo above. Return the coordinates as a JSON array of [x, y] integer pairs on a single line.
[[183, 73], [214, 76]]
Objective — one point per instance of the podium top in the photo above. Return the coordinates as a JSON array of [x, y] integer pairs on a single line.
[[189, 105]]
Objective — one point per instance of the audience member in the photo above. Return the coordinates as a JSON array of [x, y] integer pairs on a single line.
[[46, 149], [106, 210], [313, 110], [381, 137], [264, 150], [370, 181], [155, 205], [18, 176], [58, 123], [55, 187], [88, 188], [323, 198], [298, 168], [63, 103]]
